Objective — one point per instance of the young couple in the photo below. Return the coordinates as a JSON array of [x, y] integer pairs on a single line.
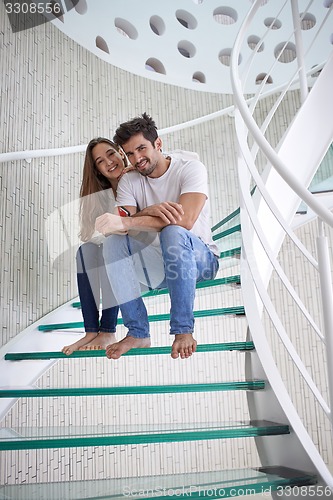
[[164, 242]]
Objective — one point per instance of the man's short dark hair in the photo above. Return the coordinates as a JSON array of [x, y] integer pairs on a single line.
[[143, 124]]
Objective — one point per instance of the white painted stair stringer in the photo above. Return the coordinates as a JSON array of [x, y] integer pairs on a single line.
[[26, 372]]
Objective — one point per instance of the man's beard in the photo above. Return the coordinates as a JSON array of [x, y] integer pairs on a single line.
[[148, 170]]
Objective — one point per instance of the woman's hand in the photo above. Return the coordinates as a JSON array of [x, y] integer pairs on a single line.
[[110, 224], [125, 170]]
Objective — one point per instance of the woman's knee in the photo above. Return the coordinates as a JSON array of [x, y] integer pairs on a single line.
[[85, 254], [113, 247]]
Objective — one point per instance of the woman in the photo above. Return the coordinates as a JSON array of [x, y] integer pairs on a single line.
[[104, 164]]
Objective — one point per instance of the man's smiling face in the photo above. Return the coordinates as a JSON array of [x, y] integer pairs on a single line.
[[142, 154]]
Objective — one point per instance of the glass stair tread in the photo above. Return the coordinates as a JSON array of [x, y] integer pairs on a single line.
[[228, 280], [198, 485], [237, 310], [23, 392], [227, 232], [225, 346], [106, 435], [230, 220], [232, 252]]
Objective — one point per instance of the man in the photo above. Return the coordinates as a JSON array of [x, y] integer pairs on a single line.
[[166, 242]]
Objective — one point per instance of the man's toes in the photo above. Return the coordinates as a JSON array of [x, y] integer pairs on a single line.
[[174, 354], [109, 353], [113, 354]]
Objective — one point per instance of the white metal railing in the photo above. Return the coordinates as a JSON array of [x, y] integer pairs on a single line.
[[28, 155], [266, 220]]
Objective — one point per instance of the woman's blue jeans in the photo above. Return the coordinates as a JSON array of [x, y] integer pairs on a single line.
[[93, 285], [183, 260]]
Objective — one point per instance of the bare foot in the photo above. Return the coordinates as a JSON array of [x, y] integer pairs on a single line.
[[184, 345], [114, 351], [102, 340], [69, 349]]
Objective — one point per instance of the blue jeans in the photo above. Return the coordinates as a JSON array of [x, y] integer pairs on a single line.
[[93, 283], [183, 260]]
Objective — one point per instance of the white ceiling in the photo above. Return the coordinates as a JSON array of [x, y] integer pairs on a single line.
[[188, 42]]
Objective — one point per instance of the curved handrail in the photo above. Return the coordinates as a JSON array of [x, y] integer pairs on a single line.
[[259, 256], [264, 145]]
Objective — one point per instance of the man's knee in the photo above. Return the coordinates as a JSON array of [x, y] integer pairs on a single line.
[[172, 233]]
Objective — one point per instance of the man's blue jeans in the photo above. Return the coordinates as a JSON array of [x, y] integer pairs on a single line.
[[180, 261], [93, 284]]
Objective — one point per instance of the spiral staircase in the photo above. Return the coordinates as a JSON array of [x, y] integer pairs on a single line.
[[251, 366]]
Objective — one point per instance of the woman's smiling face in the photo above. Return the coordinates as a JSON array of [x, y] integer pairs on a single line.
[[108, 161]]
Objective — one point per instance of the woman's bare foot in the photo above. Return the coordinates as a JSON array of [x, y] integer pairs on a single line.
[[184, 345], [69, 349], [100, 342], [114, 351]]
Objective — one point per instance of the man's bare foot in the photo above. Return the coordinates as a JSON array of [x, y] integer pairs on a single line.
[[184, 345], [114, 351], [102, 340], [69, 349]]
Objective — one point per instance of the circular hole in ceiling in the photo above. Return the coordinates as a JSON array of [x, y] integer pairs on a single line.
[[308, 21], [263, 76], [253, 42], [285, 52], [153, 64], [125, 28], [81, 7], [157, 25], [102, 45], [199, 77], [272, 23], [186, 49], [186, 19], [225, 15], [225, 57]]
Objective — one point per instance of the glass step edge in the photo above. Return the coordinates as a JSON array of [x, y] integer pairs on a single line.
[[217, 484], [148, 389], [14, 439], [229, 280], [227, 219], [225, 346], [237, 310], [227, 232], [232, 252]]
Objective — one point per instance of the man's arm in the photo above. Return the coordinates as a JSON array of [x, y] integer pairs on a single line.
[[169, 211], [191, 203]]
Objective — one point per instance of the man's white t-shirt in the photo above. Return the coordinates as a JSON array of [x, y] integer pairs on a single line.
[[183, 176]]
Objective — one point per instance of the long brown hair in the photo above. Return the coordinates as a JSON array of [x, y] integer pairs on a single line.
[[94, 191]]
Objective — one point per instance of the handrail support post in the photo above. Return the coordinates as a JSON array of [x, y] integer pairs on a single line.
[[325, 277], [299, 50]]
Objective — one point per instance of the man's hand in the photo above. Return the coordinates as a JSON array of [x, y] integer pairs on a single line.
[[168, 211], [110, 224]]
